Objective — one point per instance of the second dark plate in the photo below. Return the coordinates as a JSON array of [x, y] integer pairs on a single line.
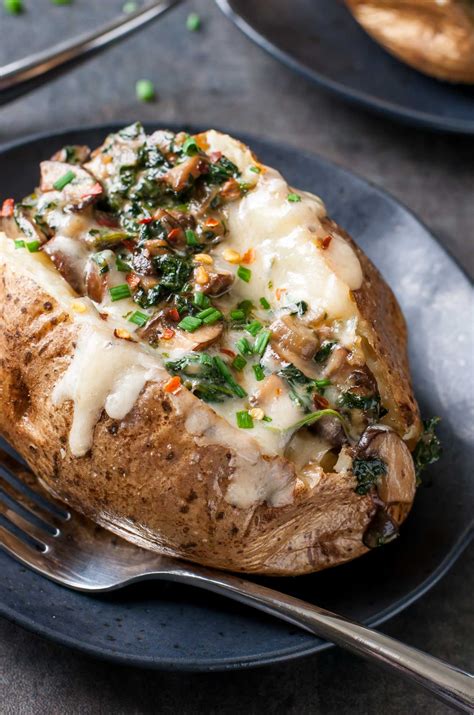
[[320, 39]]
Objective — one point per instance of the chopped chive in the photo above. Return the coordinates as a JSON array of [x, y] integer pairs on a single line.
[[321, 384], [255, 169], [13, 7], [193, 22], [244, 274], [121, 265], [190, 147], [258, 371], [120, 292], [64, 180], [246, 306], [212, 317], [145, 90], [244, 420], [243, 346], [190, 323], [294, 198], [227, 375], [139, 318], [254, 328], [61, 2], [191, 239], [201, 300], [129, 7], [264, 303], [33, 246], [267, 419], [261, 342], [239, 362], [19, 243], [237, 315], [204, 313]]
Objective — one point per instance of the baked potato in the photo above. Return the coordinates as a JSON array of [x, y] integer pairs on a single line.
[[433, 36], [197, 358]]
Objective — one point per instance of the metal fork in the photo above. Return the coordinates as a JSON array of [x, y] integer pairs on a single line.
[[69, 549], [27, 74]]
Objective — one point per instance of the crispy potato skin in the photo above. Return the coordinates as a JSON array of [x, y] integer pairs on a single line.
[[433, 37], [147, 480]]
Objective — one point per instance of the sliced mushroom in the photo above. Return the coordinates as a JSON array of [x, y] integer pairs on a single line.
[[158, 326], [295, 343], [96, 282], [179, 176], [329, 429], [70, 258], [78, 193], [219, 283], [398, 485], [381, 530]]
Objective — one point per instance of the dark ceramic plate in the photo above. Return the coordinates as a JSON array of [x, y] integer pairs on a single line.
[[167, 626], [320, 39]]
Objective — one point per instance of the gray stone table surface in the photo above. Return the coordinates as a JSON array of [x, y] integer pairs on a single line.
[[216, 77]]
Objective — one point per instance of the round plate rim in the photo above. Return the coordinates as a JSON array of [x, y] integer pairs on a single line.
[[353, 96], [283, 654]]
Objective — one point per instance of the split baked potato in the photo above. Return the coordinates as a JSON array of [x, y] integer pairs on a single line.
[[433, 36], [197, 358]]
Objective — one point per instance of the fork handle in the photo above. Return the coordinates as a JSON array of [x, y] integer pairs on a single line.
[[447, 683], [24, 75]]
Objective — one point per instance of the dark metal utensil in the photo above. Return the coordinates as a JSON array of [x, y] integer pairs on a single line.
[[24, 75], [67, 548]]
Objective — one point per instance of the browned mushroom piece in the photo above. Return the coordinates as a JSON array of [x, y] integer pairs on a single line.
[[96, 282], [158, 327], [381, 530], [330, 429], [219, 283], [398, 485], [73, 154], [179, 176], [294, 342], [70, 258], [81, 191]]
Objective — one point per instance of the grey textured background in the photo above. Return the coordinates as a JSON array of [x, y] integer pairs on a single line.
[[218, 78]]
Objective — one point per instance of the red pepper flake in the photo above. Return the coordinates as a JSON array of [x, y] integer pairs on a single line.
[[215, 156], [324, 242], [211, 222], [172, 314], [320, 402], [249, 256], [7, 208], [133, 280], [145, 221], [279, 292], [174, 235], [168, 333], [173, 385], [225, 351]]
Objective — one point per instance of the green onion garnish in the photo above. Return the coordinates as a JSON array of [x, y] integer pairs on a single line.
[[255, 169], [204, 313], [201, 300], [244, 420], [261, 342], [227, 375], [193, 22], [237, 315], [294, 198], [64, 180], [139, 318], [321, 384], [13, 7], [191, 239], [212, 317], [190, 147], [239, 362], [121, 265], [244, 274], [19, 243], [246, 306], [190, 323], [120, 292], [264, 303], [267, 419], [243, 346], [145, 90], [33, 246], [258, 371], [254, 328]]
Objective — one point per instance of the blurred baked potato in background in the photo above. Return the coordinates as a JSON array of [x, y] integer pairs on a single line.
[[433, 36]]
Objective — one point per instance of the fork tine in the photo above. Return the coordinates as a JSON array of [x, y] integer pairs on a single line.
[[21, 479], [18, 547], [12, 508]]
